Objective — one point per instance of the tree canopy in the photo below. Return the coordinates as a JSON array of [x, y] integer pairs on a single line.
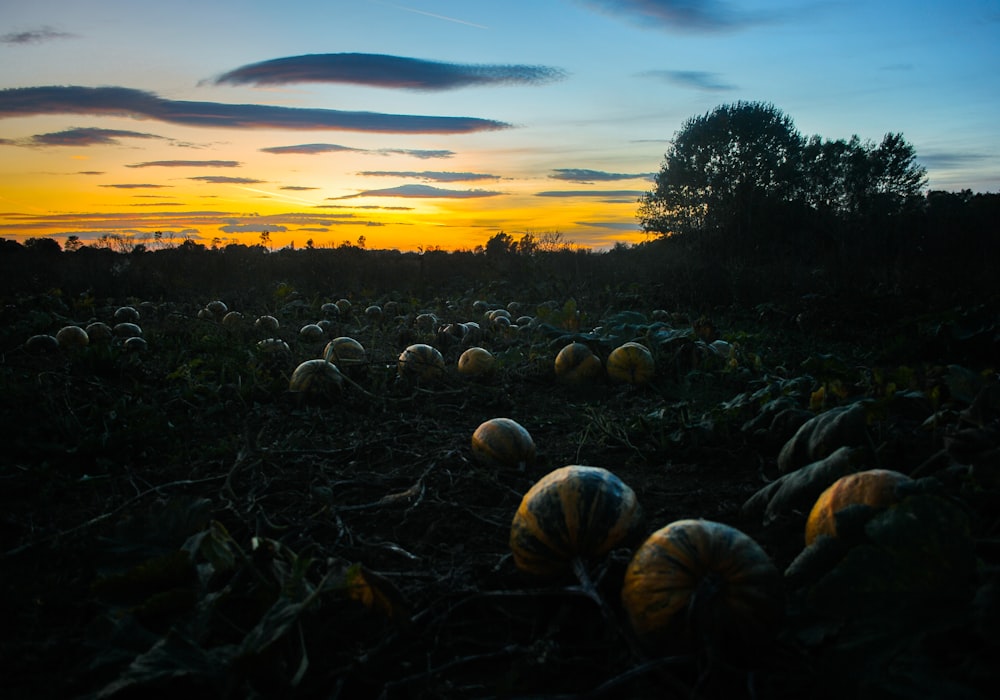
[[739, 173]]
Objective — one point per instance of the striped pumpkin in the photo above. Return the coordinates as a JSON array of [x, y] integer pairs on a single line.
[[421, 363], [316, 377], [344, 352], [574, 512], [503, 442], [698, 580], [577, 364], [875, 488], [631, 363], [476, 362]]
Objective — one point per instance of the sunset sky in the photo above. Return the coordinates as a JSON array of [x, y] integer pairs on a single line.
[[425, 123]]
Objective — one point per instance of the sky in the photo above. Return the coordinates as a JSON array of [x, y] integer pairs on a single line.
[[424, 124]]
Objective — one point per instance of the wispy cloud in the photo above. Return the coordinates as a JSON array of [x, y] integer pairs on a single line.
[[136, 186], [945, 160], [591, 193], [422, 192], [297, 188], [87, 136], [311, 149], [253, 228], [226, 180], [431, 175], [381, 70], [34, 36], [119, 101], [586, 177], [702, 80], [186, 164], [682, 15]]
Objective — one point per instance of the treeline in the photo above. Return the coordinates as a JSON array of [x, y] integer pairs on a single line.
[[940, 253]]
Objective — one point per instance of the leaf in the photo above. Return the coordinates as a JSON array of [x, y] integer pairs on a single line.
[[376, 593]]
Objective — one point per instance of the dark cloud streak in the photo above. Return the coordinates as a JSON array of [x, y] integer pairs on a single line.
[[186, 164], [585, 177], [126, 102], [34, 36], [87, 136], [422, 192], [381, 70], [681, 15], [701, 80], [431, 175], [311, 149]]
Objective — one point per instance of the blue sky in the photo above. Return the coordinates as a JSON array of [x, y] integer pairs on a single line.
[[433, 122]]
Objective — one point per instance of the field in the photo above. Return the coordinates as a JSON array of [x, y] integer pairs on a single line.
[[176, 520]]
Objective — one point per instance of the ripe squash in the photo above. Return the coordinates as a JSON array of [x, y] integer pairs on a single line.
[[72, 337], [99, 332], [503, 442], [217, 307], [699, 580], [344, 352], [873, 487], [267, 324], [127, 330], [126, 314], [41, 344], [421, 363], [316, 377], [476, 362], [575, 513], [576, 364], [631, 363]]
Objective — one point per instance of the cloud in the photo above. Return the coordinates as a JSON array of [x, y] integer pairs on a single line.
[[430, 175], [186, 164], [946, 160], [226, 180], [614, 225], [317, 148], [126, 102], [591, 193], [297, 188], [253, 228], [381, 70], [136, 186], [689, 15], [586, 177], [34, 36], [87, 136], [422, 192], [702, 80]]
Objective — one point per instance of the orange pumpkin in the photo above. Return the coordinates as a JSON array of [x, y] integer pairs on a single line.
[[631, 363], [577, 364], [503, 442], [698, 580], [873, 487], [573, 513], [476, 362], [344, 352], [421, 363]]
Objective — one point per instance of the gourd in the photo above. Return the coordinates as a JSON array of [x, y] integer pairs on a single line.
[[503, 442], [126, 314], [127, 330], [99, 332], [699, 580], [311, 333], [135, 344], [344, 306], [631, 363], [330, 310], [267, 324], [217, 307], [476, 362], [577, 364], [421, 363], [316, 377], [344, 352], [571, 515], [72, 337], [41, 344], [233, 320], [876, 488], [373, 313]]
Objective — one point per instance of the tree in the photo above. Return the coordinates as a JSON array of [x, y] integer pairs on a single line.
[[721, 170], [500, 244]]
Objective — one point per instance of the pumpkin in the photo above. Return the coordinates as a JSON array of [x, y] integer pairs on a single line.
[[72, 337], [217, 307], [576, 363], [127, 330], [875, 488], [503, 442], [421, 363], [41, 344], [344, 352], [344, 306], [373, 313], [631, 363], [697, 580], [330, 310], [135, 344], [267, 324], [126, 314], [316, 377], [575, 513], [476, 362], [99, 332], [233, 320], [311, 333], [206, 315]]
